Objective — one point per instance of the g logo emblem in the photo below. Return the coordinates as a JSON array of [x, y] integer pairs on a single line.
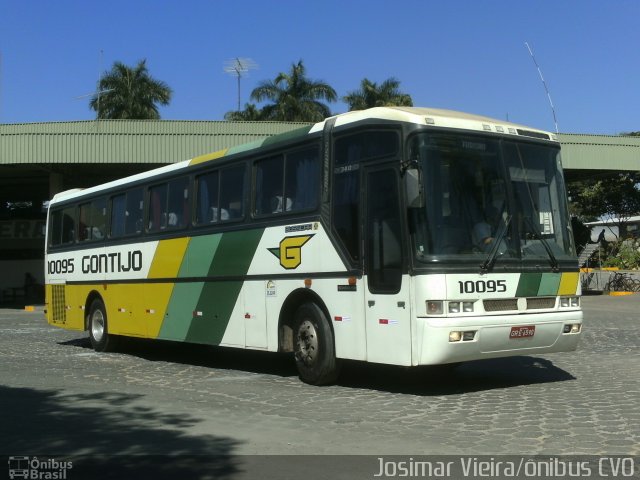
[[290, 251]]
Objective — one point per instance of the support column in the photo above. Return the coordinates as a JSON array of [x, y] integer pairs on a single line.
[[55, 184]]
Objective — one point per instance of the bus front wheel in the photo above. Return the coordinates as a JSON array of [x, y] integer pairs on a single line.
[[313, 346], [101, 339]]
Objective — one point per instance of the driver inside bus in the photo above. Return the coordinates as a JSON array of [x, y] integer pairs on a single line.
[[483, 234]]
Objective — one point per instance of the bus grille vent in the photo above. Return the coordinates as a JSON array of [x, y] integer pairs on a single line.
[[536, 303], [59, 310], [500, 305]]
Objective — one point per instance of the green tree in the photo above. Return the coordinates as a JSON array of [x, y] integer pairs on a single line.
[[294, 97], [614, 198], [370, 95], [250, 113], [130, 93]]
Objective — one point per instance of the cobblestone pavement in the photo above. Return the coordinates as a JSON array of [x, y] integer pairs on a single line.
[[60, 397]]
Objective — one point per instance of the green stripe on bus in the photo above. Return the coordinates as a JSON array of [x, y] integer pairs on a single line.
[[184, 300], [235, 253], [200, 255], [217, 299], [528, 285], [216, 303], [549, 284], [185, 296]]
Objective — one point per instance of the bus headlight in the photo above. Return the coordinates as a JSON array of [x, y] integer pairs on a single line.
[[467, 306], [569, 302], [454, 307]]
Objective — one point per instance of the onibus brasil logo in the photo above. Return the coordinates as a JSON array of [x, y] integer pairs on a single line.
[[290, 251]]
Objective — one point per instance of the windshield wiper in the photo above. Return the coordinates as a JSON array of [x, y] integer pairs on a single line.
[[552, 258], [487, 265]]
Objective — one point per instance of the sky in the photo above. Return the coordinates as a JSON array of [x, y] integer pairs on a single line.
[[460, 55]]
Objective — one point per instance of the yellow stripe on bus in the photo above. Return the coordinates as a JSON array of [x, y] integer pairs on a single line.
[[166, 264], [208, 157], [569, 283], [168, 258]]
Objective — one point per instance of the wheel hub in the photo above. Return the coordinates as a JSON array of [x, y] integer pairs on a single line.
[[97, 326], [307, 343]]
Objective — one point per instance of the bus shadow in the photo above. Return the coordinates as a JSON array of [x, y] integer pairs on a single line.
[[480, 375], [223, 358], [474, 376]]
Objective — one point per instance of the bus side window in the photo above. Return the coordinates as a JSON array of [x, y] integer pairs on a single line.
[[55, 228], [68, 225], [93, 219], [232, 189], [269, 179], [157, 208], [133, 212], [207, 205], [178, 203], [118, 213], [302, 179]]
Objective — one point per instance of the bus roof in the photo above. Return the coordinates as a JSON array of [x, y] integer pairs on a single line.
[[438, 117]]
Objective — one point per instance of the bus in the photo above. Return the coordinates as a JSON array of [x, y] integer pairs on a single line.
[[402, 236]]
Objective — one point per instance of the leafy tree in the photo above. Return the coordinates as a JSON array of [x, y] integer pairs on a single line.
[[130, 93], [250, 113], [614, 198], [294, 97], [371, 94]]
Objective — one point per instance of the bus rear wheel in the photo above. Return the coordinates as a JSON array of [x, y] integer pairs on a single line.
[[313, 346], [101, 339]]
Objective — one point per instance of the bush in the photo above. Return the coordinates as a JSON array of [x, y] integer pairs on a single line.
[[624, 254]]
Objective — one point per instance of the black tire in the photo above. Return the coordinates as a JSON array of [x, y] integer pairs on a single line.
[[101, 339], [313, 346]]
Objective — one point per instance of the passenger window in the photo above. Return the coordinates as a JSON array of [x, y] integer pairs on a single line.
[[207, 204], [133, 212], [93, 220], [55, 228], [288, 183], [232, 191], [169, 205], [302, 179], [118, 212], [269, 183], [68, 225], [126, 213], [178, 203]]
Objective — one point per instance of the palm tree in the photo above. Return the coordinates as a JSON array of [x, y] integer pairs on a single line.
[[250, 113], [295, 97], [371, 95], [131, 93]]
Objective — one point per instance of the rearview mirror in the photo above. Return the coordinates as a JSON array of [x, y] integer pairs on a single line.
[[413, 188]]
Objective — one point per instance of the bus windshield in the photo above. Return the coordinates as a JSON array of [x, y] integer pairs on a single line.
[[487, 197]]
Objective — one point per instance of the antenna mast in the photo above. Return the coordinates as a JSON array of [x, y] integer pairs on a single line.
[[237, 67], [553, 110]]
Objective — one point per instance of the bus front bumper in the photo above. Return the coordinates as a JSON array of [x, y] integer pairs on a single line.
[[495, 336]]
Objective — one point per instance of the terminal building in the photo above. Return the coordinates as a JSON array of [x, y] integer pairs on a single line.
[[38, 160]]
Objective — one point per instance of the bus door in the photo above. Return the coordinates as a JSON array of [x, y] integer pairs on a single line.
[[387, 302]]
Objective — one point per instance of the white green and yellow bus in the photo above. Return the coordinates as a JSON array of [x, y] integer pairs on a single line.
[[404, 236]]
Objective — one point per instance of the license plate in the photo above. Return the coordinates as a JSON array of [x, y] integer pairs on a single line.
[[523, 332]]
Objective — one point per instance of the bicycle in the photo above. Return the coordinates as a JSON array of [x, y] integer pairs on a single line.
[[622, 282]]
